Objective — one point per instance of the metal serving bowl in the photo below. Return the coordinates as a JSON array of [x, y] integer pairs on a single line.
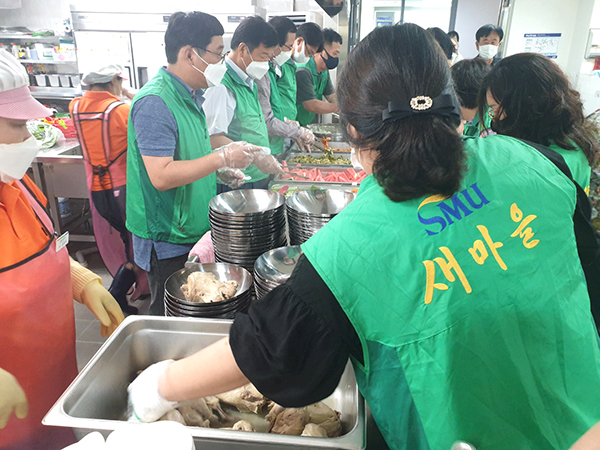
[[221, 271], [246, 202], [320, 202], [274, 267]]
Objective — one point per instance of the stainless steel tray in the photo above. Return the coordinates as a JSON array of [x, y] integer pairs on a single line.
[[333, 145], [324, 184], [97, 398]]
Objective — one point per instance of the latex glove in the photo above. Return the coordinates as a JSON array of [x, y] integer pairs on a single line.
[[12, 398], [233, 178], [104, 306], [268, 164], [204, 250], [238, 155], [145, 404]]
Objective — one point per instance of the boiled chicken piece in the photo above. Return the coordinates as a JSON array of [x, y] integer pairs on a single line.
[[174, 416], [245, 399], [214, 404], [192, 417], [274, 410], [243, 425], [328, 419], [314, 430], [203, 287], [291, 421]]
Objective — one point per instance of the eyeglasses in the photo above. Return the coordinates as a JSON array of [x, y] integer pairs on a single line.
[[288, 47], [220, 55]]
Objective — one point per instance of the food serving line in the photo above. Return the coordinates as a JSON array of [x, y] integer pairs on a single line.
[[251, 231]]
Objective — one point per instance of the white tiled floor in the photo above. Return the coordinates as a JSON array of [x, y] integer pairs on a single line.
[[87, 327]]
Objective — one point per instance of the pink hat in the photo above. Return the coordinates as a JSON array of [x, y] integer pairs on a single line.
[[16, 101]]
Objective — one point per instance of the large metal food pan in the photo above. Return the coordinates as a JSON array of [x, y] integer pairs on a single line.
[[333, 145], [97, 398], [324, 171]]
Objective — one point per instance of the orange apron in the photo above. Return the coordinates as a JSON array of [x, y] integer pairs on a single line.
[[112, 248], [37, 335]]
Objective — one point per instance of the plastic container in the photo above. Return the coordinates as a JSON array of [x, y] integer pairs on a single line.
[[54, 80], [41, 80], [65, 80], [75, 81]]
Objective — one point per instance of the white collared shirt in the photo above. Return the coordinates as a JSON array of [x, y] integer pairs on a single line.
[[219, 105]]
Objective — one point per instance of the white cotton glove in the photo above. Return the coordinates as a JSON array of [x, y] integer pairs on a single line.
[[12, 398], [234, 178], [145, 402], [238, 155]]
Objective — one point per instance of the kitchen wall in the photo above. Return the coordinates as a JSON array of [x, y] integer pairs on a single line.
[[572, 19], [470, 16]]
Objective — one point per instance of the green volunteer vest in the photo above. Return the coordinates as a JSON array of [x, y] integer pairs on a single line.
[[474, 128], [288, 88], [578, 164], [472, 311], [276, 142], [248, 123], [319, 83], [178, 215]]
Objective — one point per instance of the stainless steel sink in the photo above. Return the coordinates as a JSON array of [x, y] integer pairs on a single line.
[[97, 398]]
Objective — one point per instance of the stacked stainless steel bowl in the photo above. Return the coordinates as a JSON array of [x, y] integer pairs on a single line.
[[177, 306], [245, 224], [274, 267], [309, 211]]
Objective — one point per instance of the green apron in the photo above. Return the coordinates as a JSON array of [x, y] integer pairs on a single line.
[[248, 122], [178, 215], [578, 164], [472, 311], [287, 88], [319, 83], [276, 142]]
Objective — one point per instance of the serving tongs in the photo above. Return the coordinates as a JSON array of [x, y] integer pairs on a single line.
[[326, 151]]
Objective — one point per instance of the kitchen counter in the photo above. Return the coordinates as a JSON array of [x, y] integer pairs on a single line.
[[60, 172]]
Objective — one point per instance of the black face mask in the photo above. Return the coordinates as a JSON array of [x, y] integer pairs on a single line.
[[331, 62]]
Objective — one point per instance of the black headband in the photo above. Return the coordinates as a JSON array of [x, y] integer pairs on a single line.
[[442, 105]]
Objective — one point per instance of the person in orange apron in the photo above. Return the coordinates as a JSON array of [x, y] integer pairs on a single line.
[[100, 119], [38, 282]]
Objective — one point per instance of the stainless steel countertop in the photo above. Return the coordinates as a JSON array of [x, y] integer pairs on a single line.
[[68, 152]]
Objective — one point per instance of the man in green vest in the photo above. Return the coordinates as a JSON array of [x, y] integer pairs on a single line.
[[233, 112], [279, 126], [314, 81], [170, 164], [308, 42]]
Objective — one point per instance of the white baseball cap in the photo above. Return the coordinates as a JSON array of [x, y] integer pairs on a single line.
[[104, 74], [16, 101]]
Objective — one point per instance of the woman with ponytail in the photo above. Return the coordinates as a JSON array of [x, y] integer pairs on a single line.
[[452, 281]]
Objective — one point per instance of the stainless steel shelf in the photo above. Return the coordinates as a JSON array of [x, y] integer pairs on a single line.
[[46, 61], [29, 38], [54, 92]]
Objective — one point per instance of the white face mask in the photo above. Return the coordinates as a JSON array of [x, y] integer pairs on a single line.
[[282, 58], [213, 73], [488, 52], [355, 158], [15, 159], [300, 57], [256, 69]]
